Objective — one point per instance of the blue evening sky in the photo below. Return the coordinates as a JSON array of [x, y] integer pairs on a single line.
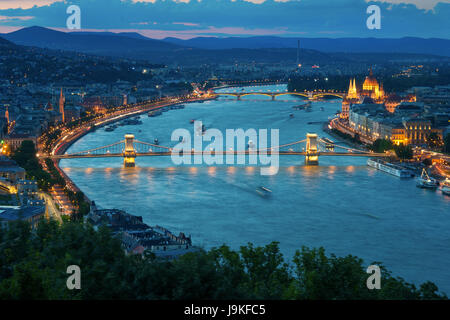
[[190, 18]]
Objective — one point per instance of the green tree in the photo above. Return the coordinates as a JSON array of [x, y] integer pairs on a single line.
[[382, 145], [403, 152], [33, 266], [434, 140], [25, 156], [447, 143]]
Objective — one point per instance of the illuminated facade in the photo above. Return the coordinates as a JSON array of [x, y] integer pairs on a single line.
[[373, 89], [311, 157], [129, 155]]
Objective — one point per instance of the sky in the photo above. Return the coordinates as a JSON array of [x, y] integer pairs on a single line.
[[223, 18]]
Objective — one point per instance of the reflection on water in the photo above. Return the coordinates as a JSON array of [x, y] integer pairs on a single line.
[[342, 205]]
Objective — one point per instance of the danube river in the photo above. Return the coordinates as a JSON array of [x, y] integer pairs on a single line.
[[342, 204]]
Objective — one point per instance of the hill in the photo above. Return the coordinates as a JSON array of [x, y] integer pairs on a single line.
[[349, 45]]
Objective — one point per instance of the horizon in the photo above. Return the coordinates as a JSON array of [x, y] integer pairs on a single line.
[[211, 36]]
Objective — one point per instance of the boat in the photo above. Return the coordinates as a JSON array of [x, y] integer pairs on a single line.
[[264, 192], [109, 129], [446, 187], [322, 109], [155, 113], [177, 106], [390, 168], [302, 106], [425, 181], [291, 115], [156, 141], [192, 121]]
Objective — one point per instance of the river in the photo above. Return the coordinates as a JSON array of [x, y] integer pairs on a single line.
[[342, 204]]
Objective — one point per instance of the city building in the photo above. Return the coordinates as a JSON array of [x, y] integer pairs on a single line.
[[137, 237], [32, 214], [10, 170], [14, 140], [373, 90]]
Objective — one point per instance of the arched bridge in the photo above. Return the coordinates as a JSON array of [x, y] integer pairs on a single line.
[[311, 95], [311, 148]]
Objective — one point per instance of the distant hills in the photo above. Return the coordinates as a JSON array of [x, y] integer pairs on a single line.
[[352, 45], [225, 50], [102, 43], [136, 46]]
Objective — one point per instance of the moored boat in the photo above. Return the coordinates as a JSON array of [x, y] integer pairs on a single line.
[[446, 187], [390, 168], [425, 181]]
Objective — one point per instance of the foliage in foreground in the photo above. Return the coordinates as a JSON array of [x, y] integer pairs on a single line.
[[33, 266]]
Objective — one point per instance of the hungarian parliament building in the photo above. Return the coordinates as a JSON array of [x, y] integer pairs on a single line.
[[368, 113], [371, 92]]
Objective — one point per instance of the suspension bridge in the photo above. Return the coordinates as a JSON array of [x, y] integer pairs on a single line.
[[311, 95], [312, 147]]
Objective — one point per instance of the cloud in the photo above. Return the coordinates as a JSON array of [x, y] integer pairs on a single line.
[[187, 24], [15, 18], [185, 18], [420, 4], [25, 4]]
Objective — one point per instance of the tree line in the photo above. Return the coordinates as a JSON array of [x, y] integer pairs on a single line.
[[33, 265]]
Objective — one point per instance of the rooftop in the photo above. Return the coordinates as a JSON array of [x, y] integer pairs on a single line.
[[13, 213]]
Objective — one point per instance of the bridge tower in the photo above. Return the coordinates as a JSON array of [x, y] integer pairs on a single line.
[[129, 154], [312, 150]]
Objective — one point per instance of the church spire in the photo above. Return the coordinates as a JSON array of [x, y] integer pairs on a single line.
[[7, 115], [352, 93], [61, 105]]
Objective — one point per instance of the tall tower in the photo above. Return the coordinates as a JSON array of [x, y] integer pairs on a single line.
[[129, 153], [298, 56], [352, 92], [61, 105], [7, 115]]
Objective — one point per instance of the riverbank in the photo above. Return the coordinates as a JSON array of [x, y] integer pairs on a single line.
[[64, 142], [348, 139]]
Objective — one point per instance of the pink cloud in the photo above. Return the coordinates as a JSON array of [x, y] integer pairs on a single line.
[[188, 24], [188, 34], [420, 4], [11, 18], [25, 4]]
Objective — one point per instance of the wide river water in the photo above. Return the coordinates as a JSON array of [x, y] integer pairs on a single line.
[[342, 204]]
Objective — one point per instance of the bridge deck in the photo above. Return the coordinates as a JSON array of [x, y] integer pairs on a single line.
[[219, 153]]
